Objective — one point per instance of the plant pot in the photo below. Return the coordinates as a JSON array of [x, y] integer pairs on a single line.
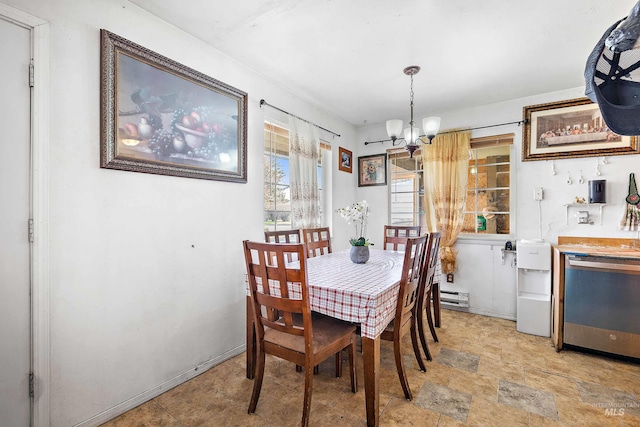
[[359, 254]]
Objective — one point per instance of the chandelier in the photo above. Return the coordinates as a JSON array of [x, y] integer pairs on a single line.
[[411, 135]]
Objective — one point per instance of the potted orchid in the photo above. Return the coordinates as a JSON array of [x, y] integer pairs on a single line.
[[358, 214]]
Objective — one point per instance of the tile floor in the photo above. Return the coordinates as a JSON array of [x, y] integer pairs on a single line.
[[483, 373]]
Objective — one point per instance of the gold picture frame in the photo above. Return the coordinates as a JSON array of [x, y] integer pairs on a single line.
[[570, 129]]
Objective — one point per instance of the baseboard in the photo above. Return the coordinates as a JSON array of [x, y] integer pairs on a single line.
[[145, 396], [480, 312]]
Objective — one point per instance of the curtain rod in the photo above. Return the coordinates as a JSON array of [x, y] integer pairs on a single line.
[[263, 102], [519, 122]]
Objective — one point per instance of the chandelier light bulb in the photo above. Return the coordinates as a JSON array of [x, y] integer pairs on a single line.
[[411, 137], [431, 126], [394, 128]]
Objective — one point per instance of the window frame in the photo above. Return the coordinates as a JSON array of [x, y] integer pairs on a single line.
[[324, 165], [418, 213], [476, 143], [486, 143]]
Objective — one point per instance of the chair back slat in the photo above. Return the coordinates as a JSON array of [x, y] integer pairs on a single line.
[[412, 269], [278, 287], [318, 241], [283, 236], [430, 264], [396, 236]]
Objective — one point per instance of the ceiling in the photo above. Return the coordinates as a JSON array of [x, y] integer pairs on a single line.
[[347, 56]]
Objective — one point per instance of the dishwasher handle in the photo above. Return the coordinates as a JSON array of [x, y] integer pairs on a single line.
[[611, 265]]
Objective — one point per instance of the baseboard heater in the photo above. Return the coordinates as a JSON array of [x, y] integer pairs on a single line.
[[453, 298]]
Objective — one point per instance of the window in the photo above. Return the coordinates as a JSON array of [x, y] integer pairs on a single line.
[[406, 201], [488, 207], [277, 203]]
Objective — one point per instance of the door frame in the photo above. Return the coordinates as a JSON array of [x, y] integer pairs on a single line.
[[39, 207]]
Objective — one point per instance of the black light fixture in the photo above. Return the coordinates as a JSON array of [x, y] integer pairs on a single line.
[[411, 135]]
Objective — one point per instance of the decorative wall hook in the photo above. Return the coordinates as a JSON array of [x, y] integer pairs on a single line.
[[580, 178], [553, 167], [569, 182], [604, 160]]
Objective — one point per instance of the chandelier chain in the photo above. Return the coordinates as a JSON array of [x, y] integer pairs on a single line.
[[411, 94]]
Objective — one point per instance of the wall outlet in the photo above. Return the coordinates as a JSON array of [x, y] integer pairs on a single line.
[[450, 278], [538, 193]]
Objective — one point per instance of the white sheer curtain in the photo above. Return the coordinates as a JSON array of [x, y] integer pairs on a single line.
[[304, 149]]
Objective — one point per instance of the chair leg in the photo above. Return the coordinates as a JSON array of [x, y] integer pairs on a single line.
[[257, 383], [430, 320], [416, 347], [423, 338], [316, 369], [352, 365], [339, 364], [306, 405], [400, 366], [436, 303]]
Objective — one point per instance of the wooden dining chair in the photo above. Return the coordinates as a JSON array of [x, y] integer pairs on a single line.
[[285, 327], [404, 321], [396, 235], [425, 290], [318, 240]]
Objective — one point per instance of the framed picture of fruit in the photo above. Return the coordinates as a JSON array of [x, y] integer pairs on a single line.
[[161, 117]]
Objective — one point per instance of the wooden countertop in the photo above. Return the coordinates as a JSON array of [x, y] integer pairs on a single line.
[[609, 247]]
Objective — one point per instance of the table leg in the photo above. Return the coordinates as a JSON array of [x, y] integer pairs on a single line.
[[436, 304], [251, 342], [371, 359]]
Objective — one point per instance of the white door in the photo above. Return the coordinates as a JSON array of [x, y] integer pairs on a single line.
[[15, 348]]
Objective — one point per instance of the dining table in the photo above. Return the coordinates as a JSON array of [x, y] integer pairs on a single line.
[[365, 294]]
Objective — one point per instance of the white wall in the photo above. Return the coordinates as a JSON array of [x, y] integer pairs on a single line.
[[480, 273], [147, 273]]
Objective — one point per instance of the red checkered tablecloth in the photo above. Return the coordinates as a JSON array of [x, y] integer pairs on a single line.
[[358, 293]]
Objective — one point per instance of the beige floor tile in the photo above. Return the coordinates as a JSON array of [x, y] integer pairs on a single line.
[[502, 370], [581, 414], [540, 421], [489, 413], [480, 386], [399, 412], [560, 386], [630, 421], [149, 414], [192, 403]]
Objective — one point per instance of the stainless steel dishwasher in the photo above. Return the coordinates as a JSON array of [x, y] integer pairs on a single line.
[[602, 304]]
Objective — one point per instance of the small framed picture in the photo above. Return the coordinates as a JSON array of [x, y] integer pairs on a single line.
[[372, 170], [345, 160]]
